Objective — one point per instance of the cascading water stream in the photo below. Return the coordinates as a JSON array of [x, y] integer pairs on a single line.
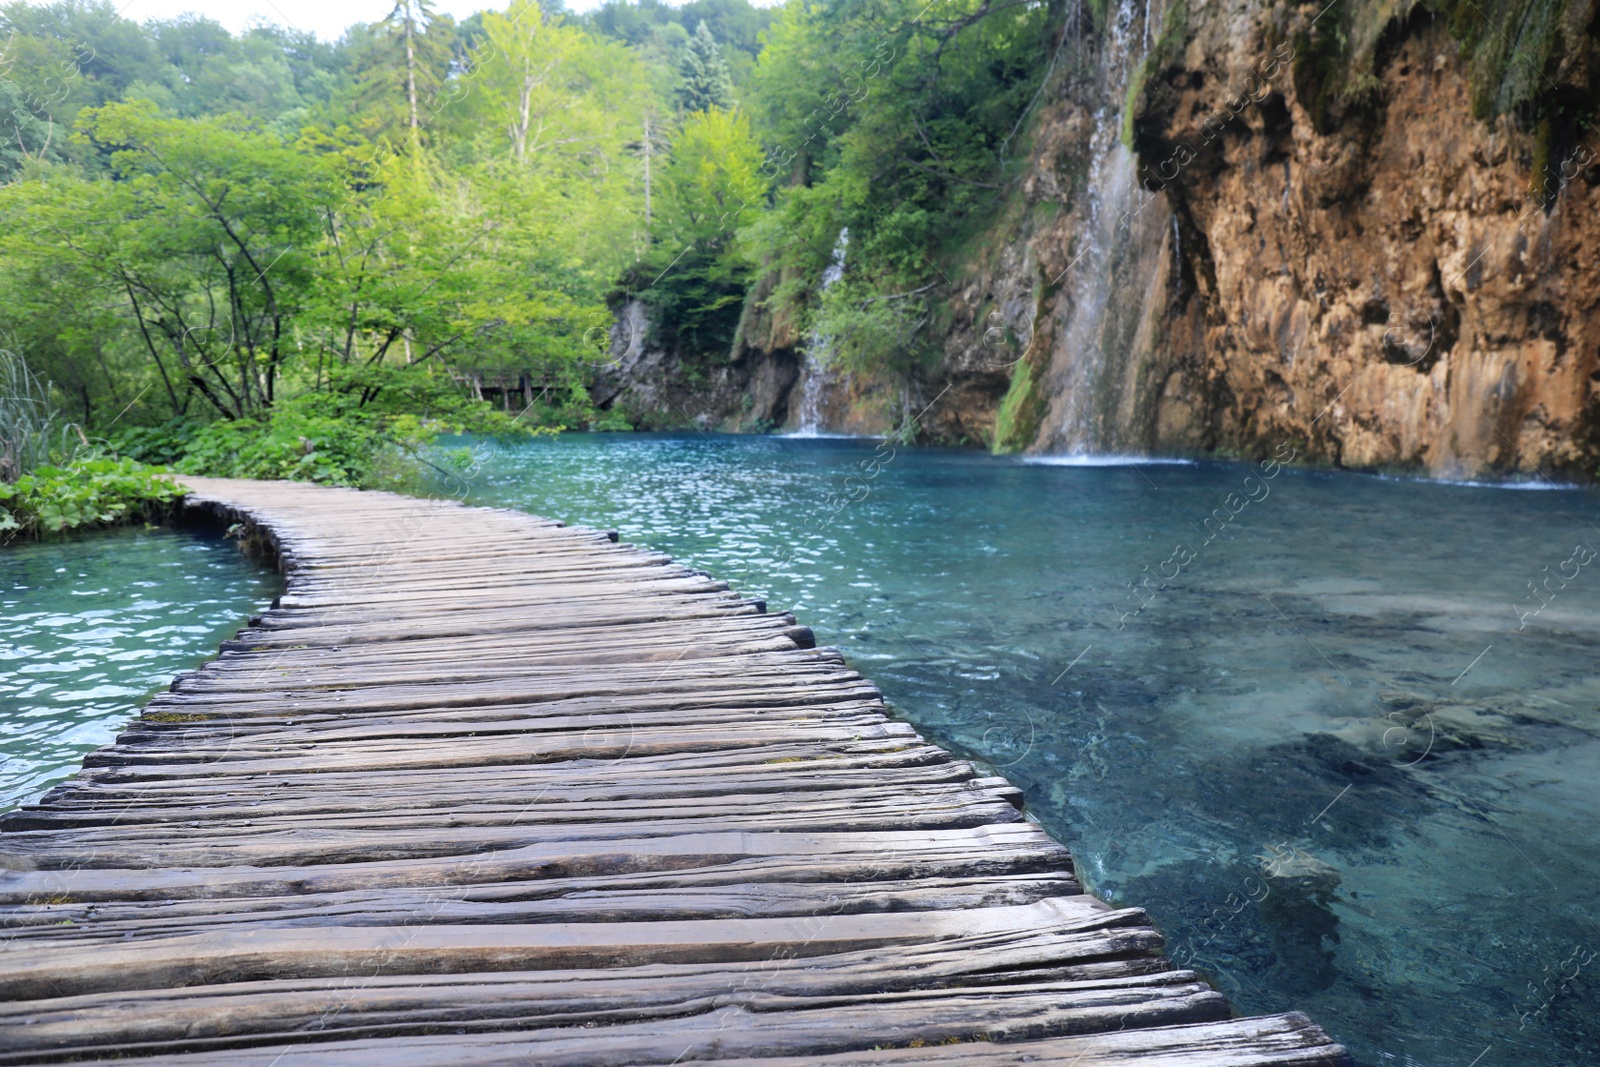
[[815, 376], [1105, 282]]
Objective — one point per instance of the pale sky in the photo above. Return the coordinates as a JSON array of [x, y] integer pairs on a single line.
[[326, 18]]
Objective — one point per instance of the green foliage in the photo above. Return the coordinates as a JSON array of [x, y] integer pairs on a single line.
[[27, 128], [290, 443], [660, 32], [695, 275], [218, 246], [205, 237], [162, 444], [862, 331], [892, 119], [739, 25], [1021, 410], [1513, 47], [361, 432], [59, 58], [612, 422], [232, 223], [88, 492], [400, 63], [46, 484]]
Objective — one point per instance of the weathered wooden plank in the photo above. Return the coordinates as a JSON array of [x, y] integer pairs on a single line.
[[1005, 848], [567, 803], [618, 624], [550, 900], [514, 750], [869, 1035], [85, 965], [280, 842], [91, 800], [897, 760], [671, 692], [1085, 1006], [1289, 1040], [641, 638], [230, 676]]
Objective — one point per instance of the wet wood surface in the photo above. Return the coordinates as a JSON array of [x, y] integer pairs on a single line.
[[482, 788]]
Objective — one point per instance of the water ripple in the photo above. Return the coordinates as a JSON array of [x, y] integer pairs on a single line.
[[90, 627]]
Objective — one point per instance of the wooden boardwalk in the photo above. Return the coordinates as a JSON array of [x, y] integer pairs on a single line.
[[483, 789]]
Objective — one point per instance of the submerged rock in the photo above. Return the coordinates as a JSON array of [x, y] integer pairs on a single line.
[[1415, 728], [1290, 865], [1298, 914]]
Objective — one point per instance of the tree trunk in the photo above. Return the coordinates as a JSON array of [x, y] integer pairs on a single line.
[[411, 72]]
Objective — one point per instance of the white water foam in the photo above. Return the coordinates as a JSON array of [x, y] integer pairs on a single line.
[[1101, 459], [806, 433], [1471, 483]]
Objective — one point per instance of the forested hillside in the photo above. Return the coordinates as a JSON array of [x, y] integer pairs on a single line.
[[203, 228]]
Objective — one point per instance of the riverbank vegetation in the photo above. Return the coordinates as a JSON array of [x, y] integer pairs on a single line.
[[52, 478], [273, 255]]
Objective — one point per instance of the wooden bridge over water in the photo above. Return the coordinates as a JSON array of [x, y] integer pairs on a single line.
[[484, 789]]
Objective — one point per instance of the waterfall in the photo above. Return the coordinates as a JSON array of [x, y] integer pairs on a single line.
[[835, 270], [815, 375], [1095, 404]]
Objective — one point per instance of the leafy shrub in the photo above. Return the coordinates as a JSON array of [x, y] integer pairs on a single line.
[[88, 492], [49, 484], [860, 330], [162, 444], [367, 429], [612, 421], [291, 443]]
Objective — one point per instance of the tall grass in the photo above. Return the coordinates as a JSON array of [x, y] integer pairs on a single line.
[[32, 432]]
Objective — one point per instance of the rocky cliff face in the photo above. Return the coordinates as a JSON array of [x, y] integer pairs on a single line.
[[1358, 229], [765, 382], [658, 390], [1376, 272], [1364, 268]]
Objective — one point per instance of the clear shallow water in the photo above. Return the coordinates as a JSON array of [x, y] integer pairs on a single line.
[[1339, 674], [91, 627]]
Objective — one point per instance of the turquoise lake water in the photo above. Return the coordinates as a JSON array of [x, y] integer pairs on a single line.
[[91, 627], [1339, 757], [1342, 674]]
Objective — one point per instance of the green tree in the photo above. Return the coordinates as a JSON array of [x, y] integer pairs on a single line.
[[203, 238], [27, 129], [555, 93], [402, 63], [694, 277], [707, 82], [42, 86], [804, 90], [661, 31], [109, 52], [235, 238]]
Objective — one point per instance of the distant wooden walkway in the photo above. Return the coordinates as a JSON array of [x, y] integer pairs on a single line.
[[483, 789]]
